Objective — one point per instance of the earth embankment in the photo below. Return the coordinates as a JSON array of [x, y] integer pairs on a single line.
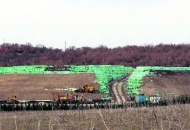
[[167, 83]]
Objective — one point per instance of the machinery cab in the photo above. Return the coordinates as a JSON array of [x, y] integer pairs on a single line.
[[59, 98], [68, 98], [12, 100], [86, 88]]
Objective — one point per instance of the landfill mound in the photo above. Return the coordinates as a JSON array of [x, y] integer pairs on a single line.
[[166, 83], [40, 87]]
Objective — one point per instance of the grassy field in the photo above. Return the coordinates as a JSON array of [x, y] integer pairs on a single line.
[[173, 117]]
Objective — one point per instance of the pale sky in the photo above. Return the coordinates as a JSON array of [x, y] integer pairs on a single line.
[[91, 23]]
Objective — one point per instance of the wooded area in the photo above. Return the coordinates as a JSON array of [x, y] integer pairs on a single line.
[[159, 55]]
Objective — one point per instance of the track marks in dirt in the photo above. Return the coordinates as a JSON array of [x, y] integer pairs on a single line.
[[115, 91], [117, 88]]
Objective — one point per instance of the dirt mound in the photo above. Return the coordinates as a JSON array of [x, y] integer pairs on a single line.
[[167, 83], [33, 87]]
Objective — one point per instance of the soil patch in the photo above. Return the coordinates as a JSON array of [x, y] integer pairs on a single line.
[[40, 87], [167, 83]]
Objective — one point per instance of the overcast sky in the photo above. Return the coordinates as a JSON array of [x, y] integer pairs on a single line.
[[92, 23]]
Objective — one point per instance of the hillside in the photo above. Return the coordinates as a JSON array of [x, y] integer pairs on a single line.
[[167, 83]]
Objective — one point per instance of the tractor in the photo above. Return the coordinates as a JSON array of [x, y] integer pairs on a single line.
[[68, 98], [86, 89]]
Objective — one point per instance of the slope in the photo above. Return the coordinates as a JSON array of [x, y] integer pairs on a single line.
[[167, 83]]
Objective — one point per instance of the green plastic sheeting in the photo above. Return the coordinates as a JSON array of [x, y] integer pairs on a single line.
[[103, 73], [36, 69], [135, 80]]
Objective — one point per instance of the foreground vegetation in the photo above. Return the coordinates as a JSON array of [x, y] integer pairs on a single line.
[[165, 118]]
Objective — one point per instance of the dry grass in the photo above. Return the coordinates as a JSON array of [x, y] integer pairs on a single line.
[[159, 118]]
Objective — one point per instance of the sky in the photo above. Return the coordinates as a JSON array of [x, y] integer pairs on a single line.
[[91, 23]]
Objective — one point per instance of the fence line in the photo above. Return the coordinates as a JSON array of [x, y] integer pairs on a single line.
[[182, 99]]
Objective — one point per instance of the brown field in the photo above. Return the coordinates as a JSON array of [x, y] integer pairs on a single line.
[[32, 87], [167, 84], [155, 118]]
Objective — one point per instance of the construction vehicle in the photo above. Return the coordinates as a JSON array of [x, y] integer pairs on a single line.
[[86, 89], [12, 100], [82, 99], [58, 98], [68, 98]]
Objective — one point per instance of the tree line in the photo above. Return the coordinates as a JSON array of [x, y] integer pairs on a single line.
[[148, 55]]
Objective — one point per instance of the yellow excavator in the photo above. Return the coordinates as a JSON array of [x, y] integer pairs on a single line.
[[69, 97], [86, 89], [12, 100]]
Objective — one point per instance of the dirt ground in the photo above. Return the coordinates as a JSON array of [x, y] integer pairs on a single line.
[[175, 83], [40, 87]]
